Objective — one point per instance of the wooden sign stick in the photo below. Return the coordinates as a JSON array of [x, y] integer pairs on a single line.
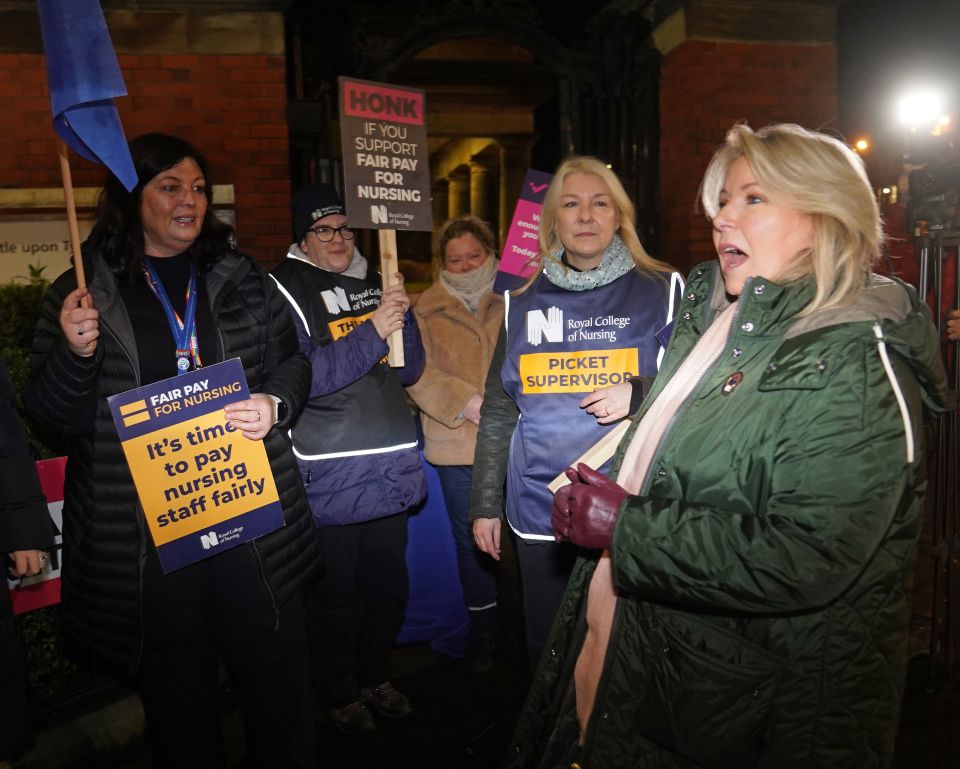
[[596, 455], [389, 266], [71, 215]]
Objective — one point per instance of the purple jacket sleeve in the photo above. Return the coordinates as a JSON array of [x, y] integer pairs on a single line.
[[336, 365], [414, 357]]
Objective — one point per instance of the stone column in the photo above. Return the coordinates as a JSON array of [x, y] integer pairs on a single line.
[[458, 193], [479, 179]]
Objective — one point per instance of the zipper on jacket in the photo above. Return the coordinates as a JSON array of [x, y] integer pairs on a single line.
[[216, 303], [617, 613], [266, 584], [139, 515], [134, 368], [601, 686]]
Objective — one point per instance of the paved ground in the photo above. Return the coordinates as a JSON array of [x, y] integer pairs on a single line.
[[463, 721]]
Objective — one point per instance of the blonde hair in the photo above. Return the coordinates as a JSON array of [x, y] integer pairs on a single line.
[[468, 224], [550, 238], [822, 177]]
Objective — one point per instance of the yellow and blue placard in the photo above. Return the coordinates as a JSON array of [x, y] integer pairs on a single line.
[[203, 486]]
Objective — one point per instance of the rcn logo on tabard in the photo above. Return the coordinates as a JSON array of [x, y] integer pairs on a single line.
[[209, 540], [335, 300], [549, 326]]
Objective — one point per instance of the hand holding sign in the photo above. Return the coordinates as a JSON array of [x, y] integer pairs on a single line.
[[254, 417], [26, 563], [80, 324], [394, 303]]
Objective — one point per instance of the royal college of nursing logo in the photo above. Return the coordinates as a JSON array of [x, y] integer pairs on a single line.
[[335, 300], [540, 326]]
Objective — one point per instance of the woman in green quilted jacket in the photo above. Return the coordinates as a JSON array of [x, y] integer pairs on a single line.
[[744, 594]]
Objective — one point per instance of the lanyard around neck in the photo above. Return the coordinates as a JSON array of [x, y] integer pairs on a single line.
[[184, 331]]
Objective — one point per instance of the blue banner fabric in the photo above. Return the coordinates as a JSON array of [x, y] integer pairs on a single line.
[[84, 78]]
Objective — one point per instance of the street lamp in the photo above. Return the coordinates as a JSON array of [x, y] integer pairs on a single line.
[[921, 108]]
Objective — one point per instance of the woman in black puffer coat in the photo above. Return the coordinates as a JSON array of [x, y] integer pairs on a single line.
[[242, 605]]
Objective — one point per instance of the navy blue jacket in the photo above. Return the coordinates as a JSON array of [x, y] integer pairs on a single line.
[[356, 440]]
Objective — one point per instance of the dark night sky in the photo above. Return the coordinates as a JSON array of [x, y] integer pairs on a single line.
[[884, 47]]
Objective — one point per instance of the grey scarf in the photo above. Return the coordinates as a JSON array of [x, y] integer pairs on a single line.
[[469, 287], [615, 263]]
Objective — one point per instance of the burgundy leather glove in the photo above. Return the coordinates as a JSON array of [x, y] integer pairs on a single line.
[[585, 511]]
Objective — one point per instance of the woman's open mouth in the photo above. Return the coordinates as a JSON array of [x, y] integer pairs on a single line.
[[731, 257]]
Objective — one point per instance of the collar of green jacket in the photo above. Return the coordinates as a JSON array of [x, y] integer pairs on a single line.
[[887, 312]]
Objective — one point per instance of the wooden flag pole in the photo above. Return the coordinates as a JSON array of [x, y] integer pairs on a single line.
[[389, 266], [596, 455], [71, 215]]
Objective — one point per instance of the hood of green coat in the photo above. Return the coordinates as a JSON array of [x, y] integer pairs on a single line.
[[893, 314], [905, 329]]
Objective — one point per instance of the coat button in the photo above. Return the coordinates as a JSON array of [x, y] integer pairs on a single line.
[[732, 382], [692, 296], [759, 289], [686, 316], [662, 473], [736, 352], [773, 366], [748, 327], [821, 364], [755, 693]]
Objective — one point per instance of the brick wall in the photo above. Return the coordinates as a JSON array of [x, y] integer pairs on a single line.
[[231, 107], [706, 87]]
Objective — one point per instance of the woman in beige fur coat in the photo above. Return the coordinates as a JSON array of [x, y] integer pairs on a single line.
[[459, 318]]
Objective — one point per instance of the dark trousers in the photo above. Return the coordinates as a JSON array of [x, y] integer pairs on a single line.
[[544, 572], [14, 704], [478, 574], [355, 611], [194, 617]]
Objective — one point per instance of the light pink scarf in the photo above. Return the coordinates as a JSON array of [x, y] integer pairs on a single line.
[[602, 597]]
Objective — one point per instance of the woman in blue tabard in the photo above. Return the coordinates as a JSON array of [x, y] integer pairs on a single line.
[[156, 255], [579, 342]]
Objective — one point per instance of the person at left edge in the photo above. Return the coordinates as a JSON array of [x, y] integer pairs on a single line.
[[25, 533], [242, 605], [356, 445]]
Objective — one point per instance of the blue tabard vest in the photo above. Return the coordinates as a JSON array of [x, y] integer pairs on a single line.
[[368, 416], [562, 345]]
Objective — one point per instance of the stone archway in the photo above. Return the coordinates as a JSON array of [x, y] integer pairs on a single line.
[[497, 81]]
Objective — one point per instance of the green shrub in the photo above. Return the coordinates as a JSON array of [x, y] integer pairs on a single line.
[[19, 311]]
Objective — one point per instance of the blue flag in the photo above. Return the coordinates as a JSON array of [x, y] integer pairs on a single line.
[[84, 78]]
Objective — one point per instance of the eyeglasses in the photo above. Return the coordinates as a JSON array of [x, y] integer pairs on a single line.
[[326, 234]]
